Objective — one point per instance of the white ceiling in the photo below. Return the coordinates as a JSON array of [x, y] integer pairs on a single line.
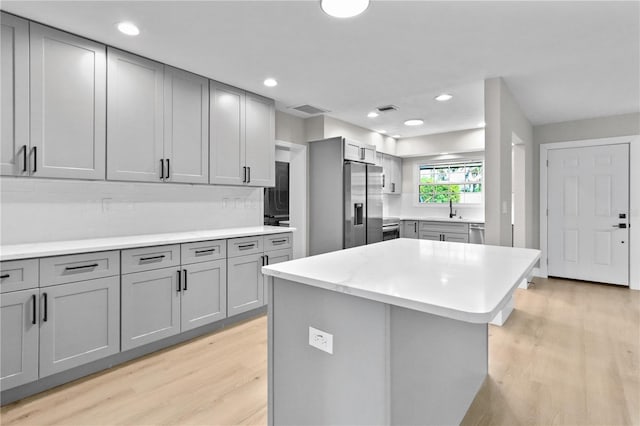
[[562, 60]]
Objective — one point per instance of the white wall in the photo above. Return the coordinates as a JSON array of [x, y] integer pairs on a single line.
[[334, 127], [505, 123], [290, 128], [451, 142], [38, 210]]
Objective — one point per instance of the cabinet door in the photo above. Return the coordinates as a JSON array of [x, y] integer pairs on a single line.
[[186, 126], [428, 235], [369, 154], [353, 150], [150, 306], [273, 257], [386, 172], [204, 293], [409, 229], [260, 141], [227, 134], [68, 103], [245, 286], [396, 175], [135, 110], [14, 146], [18, 338], [80, 323], [457, 238]]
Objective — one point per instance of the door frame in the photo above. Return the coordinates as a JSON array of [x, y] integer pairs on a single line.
[[634, 198]]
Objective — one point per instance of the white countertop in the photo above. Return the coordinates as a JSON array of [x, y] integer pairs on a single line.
[[467, 282], [442, 219], [55, 248]]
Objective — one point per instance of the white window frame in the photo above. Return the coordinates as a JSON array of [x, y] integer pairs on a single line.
[[448, 162]]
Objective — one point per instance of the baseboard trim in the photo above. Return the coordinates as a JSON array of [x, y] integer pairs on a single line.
[[20, 392]]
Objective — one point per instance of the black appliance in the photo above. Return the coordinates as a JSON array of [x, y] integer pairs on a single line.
[[276, 199]]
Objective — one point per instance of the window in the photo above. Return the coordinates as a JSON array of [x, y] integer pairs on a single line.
[[459, 182]]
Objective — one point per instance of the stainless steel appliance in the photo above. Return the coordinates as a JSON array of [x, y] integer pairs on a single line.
[[345, 195], [476, 233], [276, 199], [390, 228]]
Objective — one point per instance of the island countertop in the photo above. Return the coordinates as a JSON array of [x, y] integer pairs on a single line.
[[467, 282]]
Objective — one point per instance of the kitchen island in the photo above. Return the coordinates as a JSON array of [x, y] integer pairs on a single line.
[[386, 334]]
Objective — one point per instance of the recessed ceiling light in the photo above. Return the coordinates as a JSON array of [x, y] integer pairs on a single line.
[[395, 136], [444, 153], [344, 8], [128, 28], [270, 82], [443, 97], [414, 122], [382, 131], [483, 124], [373, 114]]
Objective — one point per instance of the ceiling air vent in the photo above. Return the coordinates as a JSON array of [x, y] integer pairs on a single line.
[[387, 108], [310, 109]]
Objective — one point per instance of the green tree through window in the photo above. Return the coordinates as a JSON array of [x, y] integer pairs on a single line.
[[460, 182]]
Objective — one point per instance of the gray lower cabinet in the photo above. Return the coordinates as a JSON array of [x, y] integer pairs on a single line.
[[444, 231], [150, 306], [409, 229], [431, 235], [79, 323], [14, 140], [68, 77], [204, 294], [18, 338], [271, 258], [245, 285]]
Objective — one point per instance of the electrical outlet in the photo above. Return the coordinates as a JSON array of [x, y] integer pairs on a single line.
[[321, 340]]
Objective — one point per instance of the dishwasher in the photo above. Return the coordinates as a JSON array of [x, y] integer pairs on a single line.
[[476, 233]]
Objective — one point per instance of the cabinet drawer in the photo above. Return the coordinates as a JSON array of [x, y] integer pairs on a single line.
[[148, 258], [203, 251], [277, 242], [461, 228], [18, 275], [78, 267], [243, 246]]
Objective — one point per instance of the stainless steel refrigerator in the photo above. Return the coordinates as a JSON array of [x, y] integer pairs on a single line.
[[345, 195]]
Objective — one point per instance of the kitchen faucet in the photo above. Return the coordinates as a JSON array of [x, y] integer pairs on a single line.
[[452, 213]]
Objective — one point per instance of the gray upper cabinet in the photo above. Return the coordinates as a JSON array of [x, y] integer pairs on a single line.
[[135, 111], [357, 151], [260, 140], [242, 137], [68, 102], [80, 323], [227, 134], [186, 126], [18, 338], [15, 145], [392, 174]]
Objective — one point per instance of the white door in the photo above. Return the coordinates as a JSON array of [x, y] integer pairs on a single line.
[[68, 105], [186, 126], [588, 201], [136, 118]]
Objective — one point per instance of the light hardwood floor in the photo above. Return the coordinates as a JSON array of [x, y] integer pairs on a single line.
[[568, 355]]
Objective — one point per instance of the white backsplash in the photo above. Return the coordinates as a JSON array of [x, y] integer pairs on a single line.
[[38, 210], [410, 209]]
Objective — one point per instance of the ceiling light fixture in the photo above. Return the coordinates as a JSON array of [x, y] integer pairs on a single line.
[[373, 114], [271, 82], [443, 97], [395, 136], [382, 131], [444, 153], [414, 122], [482, 125], [344, 8], [128, 28]]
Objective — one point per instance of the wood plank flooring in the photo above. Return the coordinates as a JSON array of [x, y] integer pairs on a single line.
[[568, 355]]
